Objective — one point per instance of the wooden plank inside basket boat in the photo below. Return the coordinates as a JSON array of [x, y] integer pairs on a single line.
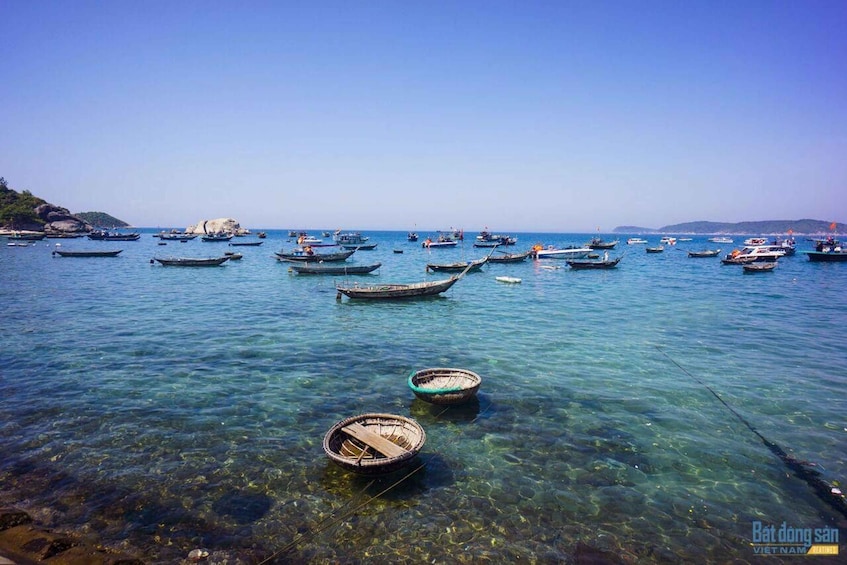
[[376, 441]]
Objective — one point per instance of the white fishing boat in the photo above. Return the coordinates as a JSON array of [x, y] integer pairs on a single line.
[[636, 241], [552, 252]]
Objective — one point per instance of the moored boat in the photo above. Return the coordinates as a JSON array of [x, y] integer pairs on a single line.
[[310, 268], [350, 238], [598, 243], [191, 261], [488, 239], [636, 241], [175, 236], [508, 257], [590, 264], [552, 252], [308, 255], [752, 254], [362, 246], [720, 239], [834, 255], [26, 236], [656, 249], [445, 385], [374, 443], [86, 253], [399, 291], [704, 253], [468, 266], [508, 280], [104, 235], [213, 237], [395, 291], [759, 267]]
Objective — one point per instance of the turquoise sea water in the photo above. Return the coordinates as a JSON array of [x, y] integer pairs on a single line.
[[161, 409]]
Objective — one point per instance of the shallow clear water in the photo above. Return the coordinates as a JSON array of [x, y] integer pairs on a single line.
[[159, 409]]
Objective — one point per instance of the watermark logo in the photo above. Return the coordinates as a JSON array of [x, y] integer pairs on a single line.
[[769, 539]]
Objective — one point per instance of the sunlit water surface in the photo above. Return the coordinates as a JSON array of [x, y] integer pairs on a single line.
[[160, 409]]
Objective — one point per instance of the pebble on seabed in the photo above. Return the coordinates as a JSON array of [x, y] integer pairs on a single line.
[[198, 554]]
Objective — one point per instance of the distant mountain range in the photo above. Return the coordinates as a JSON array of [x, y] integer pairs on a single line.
[[753, 228]]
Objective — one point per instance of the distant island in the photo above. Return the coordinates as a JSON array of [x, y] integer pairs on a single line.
[[804, 226], [25, 212], [101, 219]]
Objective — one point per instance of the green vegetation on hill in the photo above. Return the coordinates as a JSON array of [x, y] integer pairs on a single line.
[[17, 210], [101, 220], [763, 227]]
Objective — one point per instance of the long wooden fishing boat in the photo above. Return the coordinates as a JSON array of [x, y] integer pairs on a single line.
[[509, 257], [247, 243], [458, 266], [355, 246], [86, 253], [310, 268], [399, 291], [705, 253], [175, 236], [657, 249], [192, 261], [214, 237], [610, 264], [444, 385], [395, 291], [371, 444], [301, 255]]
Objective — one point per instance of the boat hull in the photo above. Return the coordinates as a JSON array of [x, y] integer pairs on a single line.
[[585, 265], [397, 291], [191, 262], [827, 256], [66, 253], [316, 257], [313, 269]]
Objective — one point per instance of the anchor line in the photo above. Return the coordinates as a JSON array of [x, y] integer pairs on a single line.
[[824, 490]]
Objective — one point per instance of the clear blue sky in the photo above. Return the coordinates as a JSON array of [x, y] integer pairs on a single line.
[[520, 115]]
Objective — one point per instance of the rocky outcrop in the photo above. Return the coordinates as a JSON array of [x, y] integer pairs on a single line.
[[225, 225], [22, 541], [59, 219]]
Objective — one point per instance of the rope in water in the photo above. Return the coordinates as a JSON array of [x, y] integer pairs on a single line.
[[827, 492], [335, 519]]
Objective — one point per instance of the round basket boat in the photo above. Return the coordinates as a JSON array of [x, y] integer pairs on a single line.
[[374, 443], [445, 385]]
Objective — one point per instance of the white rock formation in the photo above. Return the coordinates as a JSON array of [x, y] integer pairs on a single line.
[[227, 225]]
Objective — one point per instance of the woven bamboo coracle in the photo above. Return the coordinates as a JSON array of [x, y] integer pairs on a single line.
[[445, 385], [374, 443]]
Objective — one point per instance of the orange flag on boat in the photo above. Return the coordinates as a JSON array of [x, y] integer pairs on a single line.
[[832, 226]]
